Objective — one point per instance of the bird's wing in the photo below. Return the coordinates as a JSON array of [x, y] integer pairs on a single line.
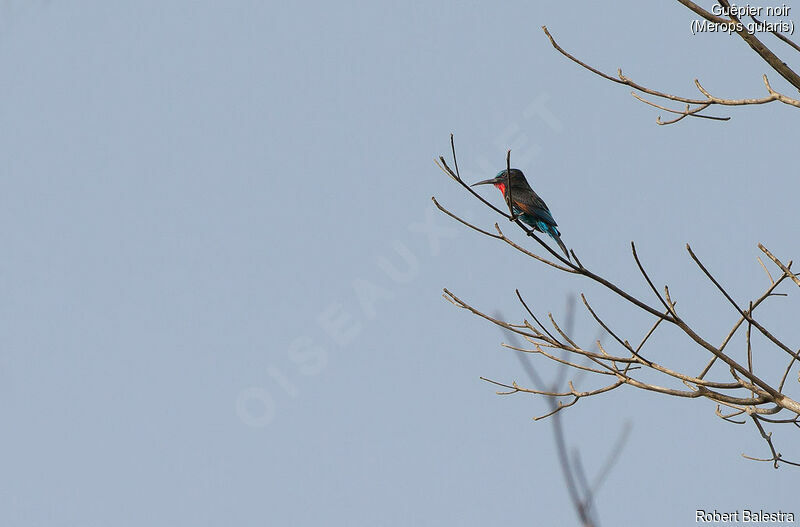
[[536, 207]]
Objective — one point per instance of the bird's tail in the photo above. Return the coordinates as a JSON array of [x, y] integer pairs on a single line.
[[557, 238], [553, 232]]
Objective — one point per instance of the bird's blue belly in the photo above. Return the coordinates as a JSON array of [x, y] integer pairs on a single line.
[[537, 223]]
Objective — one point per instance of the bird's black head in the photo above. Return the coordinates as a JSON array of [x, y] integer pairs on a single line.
[[502, 180]]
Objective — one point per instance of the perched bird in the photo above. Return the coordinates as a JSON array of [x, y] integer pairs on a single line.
[[527, 205]]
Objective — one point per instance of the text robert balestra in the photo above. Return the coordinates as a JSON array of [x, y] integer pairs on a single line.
[[743, 516]]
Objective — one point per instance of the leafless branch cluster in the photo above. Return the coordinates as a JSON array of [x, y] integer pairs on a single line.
[[694, 106], [743, 393], [582, 492]]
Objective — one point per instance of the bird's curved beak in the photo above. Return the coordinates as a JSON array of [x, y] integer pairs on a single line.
[[492, 181]]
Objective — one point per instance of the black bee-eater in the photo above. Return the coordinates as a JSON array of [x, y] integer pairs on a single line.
[[527, 205]]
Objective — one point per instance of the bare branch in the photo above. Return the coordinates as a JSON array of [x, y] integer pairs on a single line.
[[700, 104], [779, 35], [747, 316], [763, 51], [776, 456], [534, 317], [784, 268]]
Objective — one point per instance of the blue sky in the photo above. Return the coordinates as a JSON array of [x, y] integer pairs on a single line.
[[222, 270]]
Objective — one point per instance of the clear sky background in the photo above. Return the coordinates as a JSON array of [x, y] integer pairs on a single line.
[[221, 272]]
